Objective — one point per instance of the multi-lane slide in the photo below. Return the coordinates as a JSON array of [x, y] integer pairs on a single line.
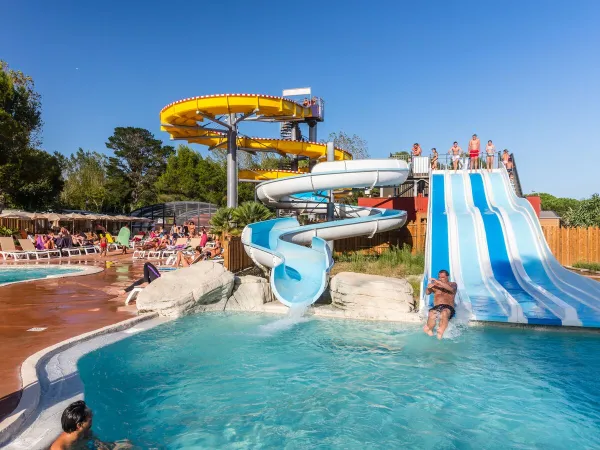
[[299, 256], [491, 242]]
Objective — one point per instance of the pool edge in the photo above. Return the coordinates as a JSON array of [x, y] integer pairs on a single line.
[[13, 425], [80, 272]]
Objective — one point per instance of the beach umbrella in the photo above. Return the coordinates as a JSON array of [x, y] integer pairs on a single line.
[[21, 215], [75, 216], [54, 218]]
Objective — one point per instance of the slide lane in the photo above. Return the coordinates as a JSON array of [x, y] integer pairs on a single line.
[[582, 284], [576, 306], [534, 310], [488, 302], [439, 255]]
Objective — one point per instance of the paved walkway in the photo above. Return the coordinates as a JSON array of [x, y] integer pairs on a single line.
[[65, 307]]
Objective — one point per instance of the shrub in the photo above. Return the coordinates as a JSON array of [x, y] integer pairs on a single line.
[[587, 265], [6, 231]]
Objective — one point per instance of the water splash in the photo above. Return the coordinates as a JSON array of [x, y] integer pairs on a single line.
[[294, 316], [459, 323]]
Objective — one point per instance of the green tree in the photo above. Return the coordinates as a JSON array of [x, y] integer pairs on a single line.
[[134, 170], [180, 180], [33, 180], [355, 145], [29, 178], [85, 181], [586, 214], [250, 212], [20, 113], [559, 205]]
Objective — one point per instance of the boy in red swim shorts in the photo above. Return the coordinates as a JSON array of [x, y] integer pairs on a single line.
[[474, 146]]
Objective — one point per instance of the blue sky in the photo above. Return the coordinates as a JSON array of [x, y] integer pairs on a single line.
[[523, 73]]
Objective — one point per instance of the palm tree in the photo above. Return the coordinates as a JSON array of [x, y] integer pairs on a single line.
[[222, 221], [250, 212]]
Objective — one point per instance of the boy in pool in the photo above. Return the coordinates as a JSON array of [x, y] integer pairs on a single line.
[[76, 423], [443, 300]]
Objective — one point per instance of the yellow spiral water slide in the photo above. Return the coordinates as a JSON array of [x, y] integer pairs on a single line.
[[222, 113]]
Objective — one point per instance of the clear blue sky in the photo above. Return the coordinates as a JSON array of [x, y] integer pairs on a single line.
[[523, 73]]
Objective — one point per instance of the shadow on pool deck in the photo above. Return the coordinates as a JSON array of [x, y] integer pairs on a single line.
[[65, 307]]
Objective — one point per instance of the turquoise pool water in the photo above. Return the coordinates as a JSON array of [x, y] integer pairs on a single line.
[[250, 381], [12, 274]]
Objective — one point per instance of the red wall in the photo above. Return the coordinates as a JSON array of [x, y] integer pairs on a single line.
[[411, 205], [536, 202]]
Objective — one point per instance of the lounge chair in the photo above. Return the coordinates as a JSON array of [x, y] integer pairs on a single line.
[[7, 248], [72, 250], [139, 254], [111, 242], [180, 244], [28, 247], [151, 273]]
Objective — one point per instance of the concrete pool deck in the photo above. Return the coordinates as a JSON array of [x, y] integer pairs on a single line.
[[37, 314]]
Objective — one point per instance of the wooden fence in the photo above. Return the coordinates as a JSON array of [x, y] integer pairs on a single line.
[[234, 256], [412, 234], [571, 245]]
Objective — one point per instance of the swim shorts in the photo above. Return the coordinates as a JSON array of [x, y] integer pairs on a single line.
[[455, 157], [440, 308], [473, 153]]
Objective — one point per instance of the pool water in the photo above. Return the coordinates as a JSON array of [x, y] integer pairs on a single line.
[[251, 381], [13, 274]]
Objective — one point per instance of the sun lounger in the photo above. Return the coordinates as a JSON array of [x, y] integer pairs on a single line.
[[72, 250], [133, 294], [111, 242], [7, 248], [90, 249], [139, 254], [154, 254], [180, 244], [28, 247]]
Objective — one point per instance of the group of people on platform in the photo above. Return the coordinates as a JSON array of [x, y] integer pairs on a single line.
[[473, 153]]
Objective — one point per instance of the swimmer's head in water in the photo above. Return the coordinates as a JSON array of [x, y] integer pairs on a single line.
[[76, 417]]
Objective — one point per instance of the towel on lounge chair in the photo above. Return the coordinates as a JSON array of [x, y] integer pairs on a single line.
[[123, 237], [39, 243]]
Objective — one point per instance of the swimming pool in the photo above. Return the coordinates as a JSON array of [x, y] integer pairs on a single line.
[[250, 381], [26, 273]]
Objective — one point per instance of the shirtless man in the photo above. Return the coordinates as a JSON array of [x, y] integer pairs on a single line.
[[474, 148], [455, 151], [505, 158], [443, 300], [416, 150], [434, 159]]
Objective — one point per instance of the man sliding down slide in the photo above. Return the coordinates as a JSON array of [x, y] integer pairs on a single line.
[[443, 301]]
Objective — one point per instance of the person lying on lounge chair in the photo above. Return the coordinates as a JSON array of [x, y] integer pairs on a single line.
[[186, 261], [210, 253]]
